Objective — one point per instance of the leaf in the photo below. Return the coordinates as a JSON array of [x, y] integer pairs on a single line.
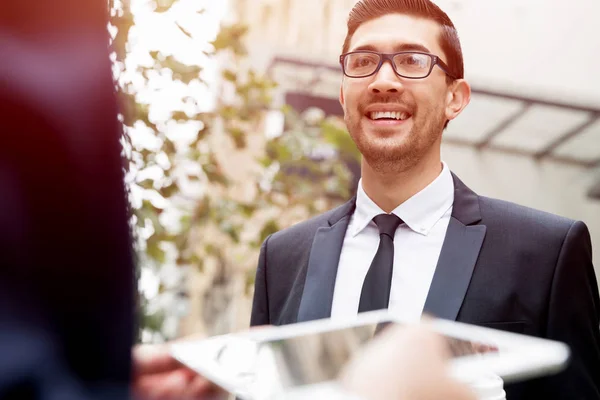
[[162, 6], [169, 190], [192, 260], [181, 240], [147, 184], [157, 55], [182, 72], [179, 116], [213, 171], [230, 38], [142, 112], [141, 222], [279, 151], [155, 252], [239, 137], [229, 75], [151, 210], [264, 161], [168, 147], [211, 250], [231, 230], [186, 222], [147, 156], [340, 139], [268, 229], [181, 259], [202, 209], [247, 210], [186, 33], [154, 321], [123, 24], [128, 104]]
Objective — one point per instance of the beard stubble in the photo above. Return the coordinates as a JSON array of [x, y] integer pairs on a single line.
[[397, 153]]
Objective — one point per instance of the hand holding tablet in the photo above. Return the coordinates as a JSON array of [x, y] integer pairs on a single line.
[[282, 362]]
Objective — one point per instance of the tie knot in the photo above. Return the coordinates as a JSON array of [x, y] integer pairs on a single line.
[[387, 224]]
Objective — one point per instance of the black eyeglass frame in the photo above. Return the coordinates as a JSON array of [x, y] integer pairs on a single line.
[[435, 60]]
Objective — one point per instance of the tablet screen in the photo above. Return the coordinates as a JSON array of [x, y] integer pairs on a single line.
[[320, 356]]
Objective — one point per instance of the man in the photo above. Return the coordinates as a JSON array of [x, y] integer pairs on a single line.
[[415, 238], [66, 265]]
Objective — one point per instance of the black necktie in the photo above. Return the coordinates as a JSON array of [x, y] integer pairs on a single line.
[[375, 293]]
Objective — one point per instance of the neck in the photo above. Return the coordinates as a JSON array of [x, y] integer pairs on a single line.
[[390, 189]]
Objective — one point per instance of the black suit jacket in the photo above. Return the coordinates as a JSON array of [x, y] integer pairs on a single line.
[[501, 265]]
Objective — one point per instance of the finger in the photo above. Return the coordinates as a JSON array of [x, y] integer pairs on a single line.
[[201, 388], [171, 385], [153, 359], [453, 390]]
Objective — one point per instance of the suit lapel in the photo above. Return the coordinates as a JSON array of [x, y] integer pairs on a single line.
[[317, 295], [458, 257]]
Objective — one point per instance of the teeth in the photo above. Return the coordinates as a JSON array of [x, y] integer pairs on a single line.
[[389, 115]]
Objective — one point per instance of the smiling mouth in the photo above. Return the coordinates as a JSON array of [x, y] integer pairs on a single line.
[[388, 116]]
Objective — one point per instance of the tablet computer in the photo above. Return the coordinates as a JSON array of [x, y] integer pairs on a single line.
[[276, 362]]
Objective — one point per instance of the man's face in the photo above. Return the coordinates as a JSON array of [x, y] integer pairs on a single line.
[[392, 145]]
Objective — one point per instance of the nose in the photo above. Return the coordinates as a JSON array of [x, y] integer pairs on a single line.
[[386, 81]]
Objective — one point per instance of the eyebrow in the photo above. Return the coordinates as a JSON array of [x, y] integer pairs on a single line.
[[397, 48]]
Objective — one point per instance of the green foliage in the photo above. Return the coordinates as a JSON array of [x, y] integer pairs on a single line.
[[231, 38], [214, 221]]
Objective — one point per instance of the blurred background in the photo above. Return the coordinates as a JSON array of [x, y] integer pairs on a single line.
[[234, 131]]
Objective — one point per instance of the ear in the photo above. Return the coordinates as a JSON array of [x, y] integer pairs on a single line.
[[459, 95], [342, 95]]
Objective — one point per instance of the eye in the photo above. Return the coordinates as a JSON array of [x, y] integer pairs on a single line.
[[363, 61], [413, 61]]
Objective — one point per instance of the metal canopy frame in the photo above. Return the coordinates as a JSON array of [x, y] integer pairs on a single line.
[[487, 143], [545, 153]]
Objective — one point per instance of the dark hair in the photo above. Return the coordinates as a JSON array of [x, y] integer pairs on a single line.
[[367, 10]]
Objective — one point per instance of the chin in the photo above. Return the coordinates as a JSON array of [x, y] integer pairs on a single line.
[[391, 131], [387, 152]]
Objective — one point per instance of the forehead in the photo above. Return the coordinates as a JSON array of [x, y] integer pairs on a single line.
[[397, 31]]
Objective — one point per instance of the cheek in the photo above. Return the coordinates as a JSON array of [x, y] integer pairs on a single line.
[[352, 95], [429, 97]]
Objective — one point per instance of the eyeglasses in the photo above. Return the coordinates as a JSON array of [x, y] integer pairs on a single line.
[[407, 64]]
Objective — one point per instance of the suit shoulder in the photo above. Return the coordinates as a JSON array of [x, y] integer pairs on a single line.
[[304, 230], [512, 213]]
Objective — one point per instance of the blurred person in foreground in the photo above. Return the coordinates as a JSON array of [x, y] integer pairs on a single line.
[[66, 265], [415, 238]]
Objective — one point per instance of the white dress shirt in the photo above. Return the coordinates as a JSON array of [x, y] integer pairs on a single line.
[[417, 245]]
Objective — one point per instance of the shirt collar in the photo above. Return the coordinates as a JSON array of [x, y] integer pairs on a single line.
[[420, 212]]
